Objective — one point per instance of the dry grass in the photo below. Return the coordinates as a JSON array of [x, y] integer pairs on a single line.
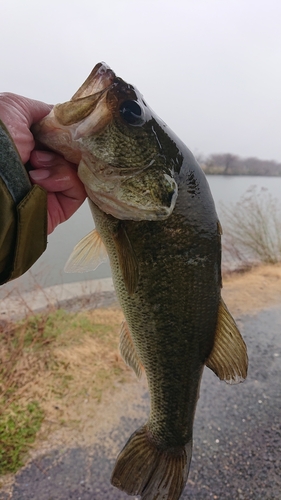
[[58, 361], [252, 229], [252, 290]]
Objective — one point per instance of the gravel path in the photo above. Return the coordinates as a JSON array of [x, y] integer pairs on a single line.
[[237, 436]]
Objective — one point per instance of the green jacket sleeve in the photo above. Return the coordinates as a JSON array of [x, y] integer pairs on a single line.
[[23, 214]]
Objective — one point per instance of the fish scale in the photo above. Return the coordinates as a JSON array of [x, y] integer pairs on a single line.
[[164, 312]]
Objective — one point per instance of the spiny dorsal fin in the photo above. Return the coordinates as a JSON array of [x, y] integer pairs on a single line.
[[87, 255], [127, 259], [128, 350], [228, 359]]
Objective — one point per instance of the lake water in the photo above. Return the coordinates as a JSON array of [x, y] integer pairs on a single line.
[[48, 270]]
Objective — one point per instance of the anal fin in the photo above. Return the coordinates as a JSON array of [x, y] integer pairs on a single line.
[[128, 351], [228, 359]]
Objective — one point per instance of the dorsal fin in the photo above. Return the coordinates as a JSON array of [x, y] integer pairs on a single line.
[[127, 259], [228, 359], [128, 350], [87, 255]]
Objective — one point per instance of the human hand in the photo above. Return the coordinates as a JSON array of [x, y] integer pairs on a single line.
[[65, 191]]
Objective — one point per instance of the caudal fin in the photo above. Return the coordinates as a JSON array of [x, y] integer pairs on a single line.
[[155, 474]]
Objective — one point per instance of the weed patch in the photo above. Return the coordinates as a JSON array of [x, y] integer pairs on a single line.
[[18, 429], [252, 229], [50, 365]]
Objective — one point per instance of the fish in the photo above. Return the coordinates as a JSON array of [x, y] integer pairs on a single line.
[[156, 220]]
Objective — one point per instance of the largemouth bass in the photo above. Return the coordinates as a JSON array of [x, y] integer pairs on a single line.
[[156, 219]]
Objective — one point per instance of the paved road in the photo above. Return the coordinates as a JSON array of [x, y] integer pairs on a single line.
[[237, 436]]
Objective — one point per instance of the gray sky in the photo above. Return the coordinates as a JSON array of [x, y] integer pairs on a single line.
[[210, 68]]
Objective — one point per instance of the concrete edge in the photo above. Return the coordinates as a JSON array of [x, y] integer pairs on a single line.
[[18, 305]]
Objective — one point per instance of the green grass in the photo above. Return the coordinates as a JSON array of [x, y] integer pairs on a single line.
[[48, 357], [18, 429], [40, 329]]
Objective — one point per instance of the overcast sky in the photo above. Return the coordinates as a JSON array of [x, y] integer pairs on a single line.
[[210, 68]]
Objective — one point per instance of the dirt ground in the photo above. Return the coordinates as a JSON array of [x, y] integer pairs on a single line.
[[251, 291]]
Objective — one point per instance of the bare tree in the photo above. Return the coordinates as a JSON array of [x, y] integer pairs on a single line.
[[229, 162]]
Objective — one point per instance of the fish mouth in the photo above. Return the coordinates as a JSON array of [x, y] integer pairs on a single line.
[[87, 98], [100, 78], [85, 112]]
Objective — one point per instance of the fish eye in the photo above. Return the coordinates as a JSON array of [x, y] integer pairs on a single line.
[[131, 112]]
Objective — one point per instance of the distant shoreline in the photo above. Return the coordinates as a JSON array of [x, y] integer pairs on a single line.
[[233, 174], [229, 164]]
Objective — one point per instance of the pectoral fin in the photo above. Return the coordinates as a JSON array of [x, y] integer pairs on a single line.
[[87, 255], [228, 359], [127, 259], [128, 351]]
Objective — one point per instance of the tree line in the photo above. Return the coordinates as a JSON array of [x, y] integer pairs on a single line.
[[229, 164]]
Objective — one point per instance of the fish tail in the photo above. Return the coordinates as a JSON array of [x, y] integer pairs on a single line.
[[144, 469]]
